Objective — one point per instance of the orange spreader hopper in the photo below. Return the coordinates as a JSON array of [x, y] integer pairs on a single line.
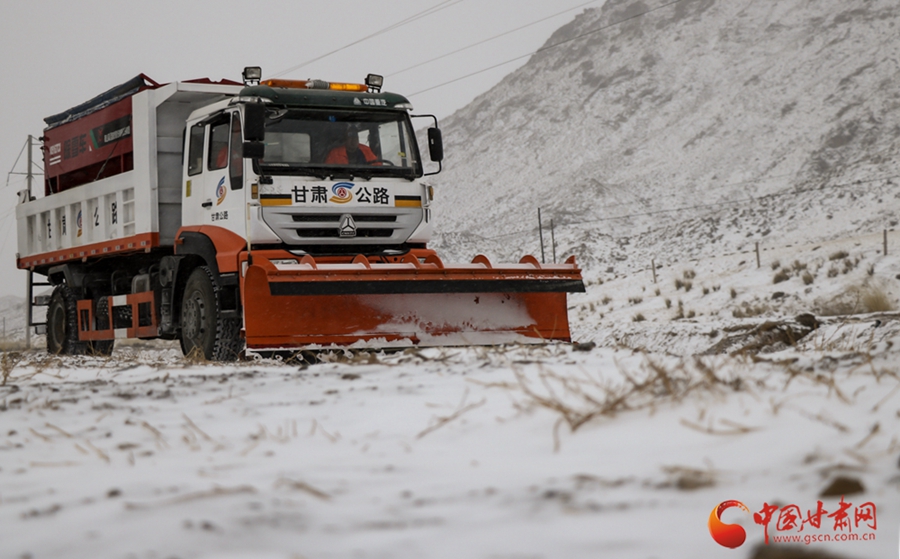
[[414, 300]]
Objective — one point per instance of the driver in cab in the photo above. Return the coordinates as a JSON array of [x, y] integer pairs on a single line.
[[351, 152]]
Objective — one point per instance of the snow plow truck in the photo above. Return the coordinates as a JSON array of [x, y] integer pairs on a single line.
[[269, 215]]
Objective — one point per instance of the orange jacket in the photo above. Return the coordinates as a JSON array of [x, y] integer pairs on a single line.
[[338, 155]]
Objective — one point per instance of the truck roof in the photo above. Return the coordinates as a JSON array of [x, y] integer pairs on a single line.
[[291, 97], [116, 94], [105, 99]]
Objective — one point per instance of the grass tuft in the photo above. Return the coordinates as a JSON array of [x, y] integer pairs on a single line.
[[839, 255]]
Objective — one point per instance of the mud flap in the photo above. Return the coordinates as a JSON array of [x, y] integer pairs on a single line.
[[408, 303]]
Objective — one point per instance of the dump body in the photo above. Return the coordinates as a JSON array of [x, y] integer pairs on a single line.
[[93, 140], [135, 204]]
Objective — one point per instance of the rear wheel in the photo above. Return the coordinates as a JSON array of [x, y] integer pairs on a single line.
[[203, 329], [62, 327]]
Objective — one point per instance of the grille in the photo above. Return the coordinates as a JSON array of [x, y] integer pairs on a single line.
[[374, 226], [332, 233], [319, 218]]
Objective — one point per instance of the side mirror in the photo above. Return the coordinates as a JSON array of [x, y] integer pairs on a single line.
[[435, 144], [254, 150], [254, 122]]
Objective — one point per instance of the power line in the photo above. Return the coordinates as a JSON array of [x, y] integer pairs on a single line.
[[489, 39], [548, 47], [415, 17]]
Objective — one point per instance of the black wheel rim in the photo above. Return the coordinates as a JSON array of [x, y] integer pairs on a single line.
[[193, 318]]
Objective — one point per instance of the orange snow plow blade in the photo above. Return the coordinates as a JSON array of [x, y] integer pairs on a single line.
[[414, 300]]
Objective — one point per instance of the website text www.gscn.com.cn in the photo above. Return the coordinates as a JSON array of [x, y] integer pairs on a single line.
[[808, 539]]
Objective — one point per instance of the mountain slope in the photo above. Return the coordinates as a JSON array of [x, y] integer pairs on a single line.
[[706, 105]]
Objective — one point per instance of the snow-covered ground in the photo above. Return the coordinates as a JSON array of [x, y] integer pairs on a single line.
[[507, 452]]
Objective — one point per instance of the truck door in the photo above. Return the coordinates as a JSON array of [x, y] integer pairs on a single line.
[[214, 186]]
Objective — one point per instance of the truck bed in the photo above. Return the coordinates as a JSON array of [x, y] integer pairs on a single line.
[[135, 210]]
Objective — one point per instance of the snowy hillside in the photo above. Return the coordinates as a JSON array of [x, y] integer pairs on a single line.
[[771, 122]]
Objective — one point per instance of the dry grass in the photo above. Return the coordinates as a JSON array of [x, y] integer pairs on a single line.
[[747, 310], [579, 399], [857, 300], [441, 421], [25, 365], [876, 300], [8, 362], [839, 255], [195, 357], [689, 479]]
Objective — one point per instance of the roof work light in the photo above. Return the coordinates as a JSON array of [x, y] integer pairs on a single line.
[[252, 75], [374, 81]]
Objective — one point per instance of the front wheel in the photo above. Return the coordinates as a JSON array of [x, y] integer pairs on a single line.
[[203, 329]]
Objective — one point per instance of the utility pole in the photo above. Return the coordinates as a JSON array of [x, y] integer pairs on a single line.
[[553, 241], [541, 234], [29, 178]]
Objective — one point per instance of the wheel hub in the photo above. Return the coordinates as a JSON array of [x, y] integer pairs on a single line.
[[193, 315]]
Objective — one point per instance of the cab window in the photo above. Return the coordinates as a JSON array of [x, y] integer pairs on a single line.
[[217, 157], [195, 150], [236, 157]]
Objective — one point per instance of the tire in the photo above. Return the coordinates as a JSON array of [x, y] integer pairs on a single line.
[[202, 327], [62, 324], [62, 327]]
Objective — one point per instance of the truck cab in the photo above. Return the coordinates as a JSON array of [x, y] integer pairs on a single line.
[[334, 174]]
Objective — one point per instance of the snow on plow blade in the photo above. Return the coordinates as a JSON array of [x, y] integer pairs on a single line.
[[414, 301]]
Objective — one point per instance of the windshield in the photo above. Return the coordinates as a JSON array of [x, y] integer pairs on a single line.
[[334, 143]]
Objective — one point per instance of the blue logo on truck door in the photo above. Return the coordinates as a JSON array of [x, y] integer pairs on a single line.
[[221, 191]]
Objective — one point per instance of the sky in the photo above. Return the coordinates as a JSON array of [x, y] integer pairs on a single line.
[[58, 54]]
